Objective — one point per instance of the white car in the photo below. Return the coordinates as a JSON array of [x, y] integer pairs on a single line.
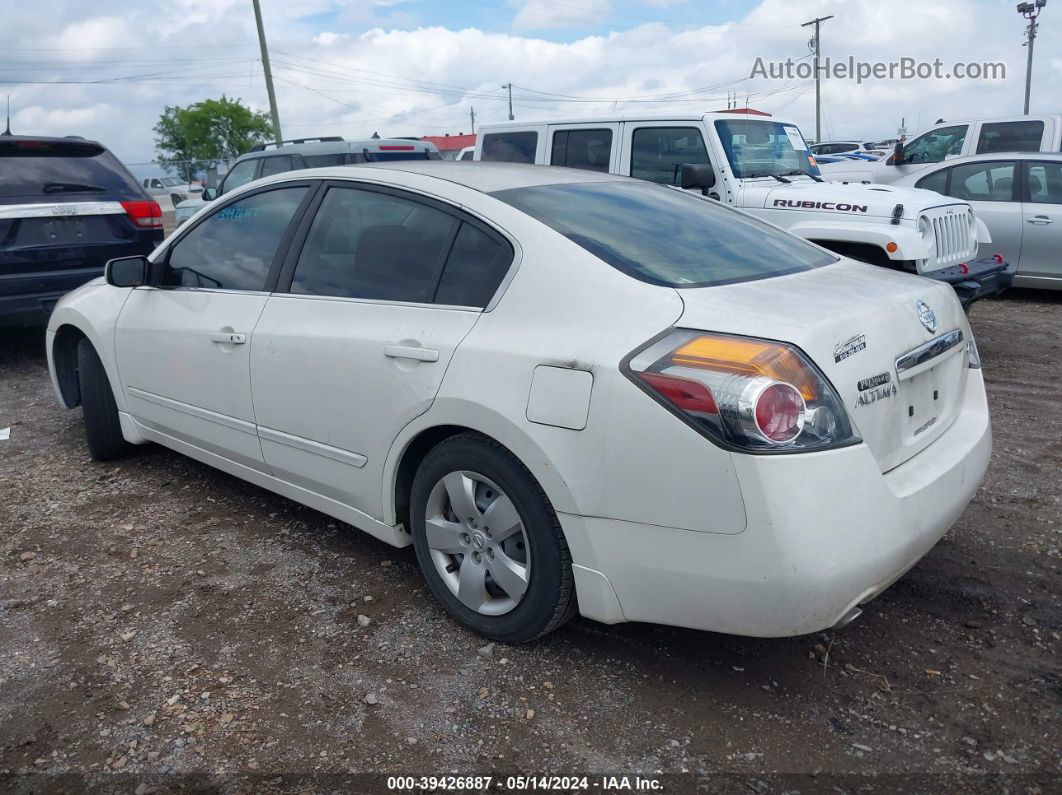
[[1019, 197], [571, 392]]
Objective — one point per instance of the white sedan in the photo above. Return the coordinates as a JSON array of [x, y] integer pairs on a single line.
[[571, 392]]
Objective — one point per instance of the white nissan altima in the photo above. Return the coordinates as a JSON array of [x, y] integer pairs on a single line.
[[571, 392]]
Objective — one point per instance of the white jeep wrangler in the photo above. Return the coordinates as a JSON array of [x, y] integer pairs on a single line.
[[763, 165]]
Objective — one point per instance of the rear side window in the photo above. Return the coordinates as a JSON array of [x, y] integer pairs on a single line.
[[234, 248], [1043, 182], [510, 147], [587, 149], [664, 236], [367, 244], [276, 165], [982, 182], [61, 168], [937, 181], [321, 161], [658, 152], [1011, 136], [476, 266]]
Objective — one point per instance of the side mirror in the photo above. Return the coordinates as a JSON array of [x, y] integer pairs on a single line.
[[896, 158], [697, 175], [209, 194], [126, 271]]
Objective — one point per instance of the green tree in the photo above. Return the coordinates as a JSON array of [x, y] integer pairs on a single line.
[[194, 137]]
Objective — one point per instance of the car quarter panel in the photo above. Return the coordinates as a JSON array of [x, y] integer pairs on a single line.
[[568, 309]]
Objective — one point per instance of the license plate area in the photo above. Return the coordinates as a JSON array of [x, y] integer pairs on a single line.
[[62, 231], [929, 400]]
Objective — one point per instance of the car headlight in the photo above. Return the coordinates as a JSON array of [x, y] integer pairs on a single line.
[[923, 226]]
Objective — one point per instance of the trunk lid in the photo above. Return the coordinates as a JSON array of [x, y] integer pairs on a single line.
[[855, 322]]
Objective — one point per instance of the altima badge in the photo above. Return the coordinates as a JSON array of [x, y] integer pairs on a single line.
[[925, 314]]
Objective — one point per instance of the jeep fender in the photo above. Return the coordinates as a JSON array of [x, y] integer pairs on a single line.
[[909, 244], [983, 235]]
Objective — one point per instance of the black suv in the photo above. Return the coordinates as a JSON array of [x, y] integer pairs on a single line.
[[66, 207]]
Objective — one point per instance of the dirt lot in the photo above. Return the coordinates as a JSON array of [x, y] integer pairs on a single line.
[[163, 625]]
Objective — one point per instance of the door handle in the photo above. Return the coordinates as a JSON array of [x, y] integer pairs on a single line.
[[1039, 219], [417, 354], [228, 338]]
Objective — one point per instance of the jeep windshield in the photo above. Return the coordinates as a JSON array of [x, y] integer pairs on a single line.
[[760, 148]]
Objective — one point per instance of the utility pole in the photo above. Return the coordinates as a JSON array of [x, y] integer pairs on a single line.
[[816, 42], [1030, 11], [472, 113], [510, 87], [278, 137]]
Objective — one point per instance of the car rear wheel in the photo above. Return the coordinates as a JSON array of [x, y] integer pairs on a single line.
[[489, 543], [103, 431]]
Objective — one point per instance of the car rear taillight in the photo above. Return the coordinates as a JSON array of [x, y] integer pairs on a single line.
[[752, 394], [147, 215]]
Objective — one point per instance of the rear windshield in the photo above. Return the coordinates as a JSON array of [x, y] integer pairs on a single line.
[[58, 168], [664, 235]]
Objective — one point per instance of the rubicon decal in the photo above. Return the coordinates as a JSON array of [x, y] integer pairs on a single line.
[[804, 204]]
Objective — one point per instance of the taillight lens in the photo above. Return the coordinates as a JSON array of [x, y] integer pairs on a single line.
[[752, 394], [147, 215]]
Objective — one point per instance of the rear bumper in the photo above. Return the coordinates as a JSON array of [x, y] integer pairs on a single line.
[[28, 299], [982, 277], [826, 532]]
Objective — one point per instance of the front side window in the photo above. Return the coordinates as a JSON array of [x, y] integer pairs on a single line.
[[1043, 182], [758, 148], [982, 182], [1010, 136], [935, 145], [664, 236], [658, 153], [240, 174], [276, 165], [234, 248], [510, 147], [586, 149], [367, 244]]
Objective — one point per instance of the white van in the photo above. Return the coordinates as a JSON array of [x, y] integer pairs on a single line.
[[763, 165], [948, 139]]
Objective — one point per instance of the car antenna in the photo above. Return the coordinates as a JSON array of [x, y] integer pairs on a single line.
[[8, 130]]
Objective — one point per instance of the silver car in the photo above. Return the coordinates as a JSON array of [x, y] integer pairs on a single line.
[[1019, 197]]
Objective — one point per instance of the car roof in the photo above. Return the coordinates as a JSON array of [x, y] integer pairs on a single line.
[[1050, 156], [488, 177], [626, 116]]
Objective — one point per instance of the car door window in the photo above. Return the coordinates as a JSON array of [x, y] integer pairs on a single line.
[[276, 165], [368, 244], [935, 145], [234, 248], [510, 147], [658, 152], [475, 267], [1043, 183], [937, 181], [587, 149], [240, 174], [1010, 136], [982, 182]]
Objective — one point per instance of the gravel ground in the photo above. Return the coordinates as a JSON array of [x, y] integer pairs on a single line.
[[163, 625]]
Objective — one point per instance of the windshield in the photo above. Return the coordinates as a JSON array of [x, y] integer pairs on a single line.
[[172, 182], [758, 148], [665, 236]]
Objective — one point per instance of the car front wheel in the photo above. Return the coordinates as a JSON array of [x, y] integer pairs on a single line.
[[103, 430], [489, 543]]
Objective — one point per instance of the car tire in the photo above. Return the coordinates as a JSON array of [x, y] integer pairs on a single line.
[[103, 430], [486, 473]]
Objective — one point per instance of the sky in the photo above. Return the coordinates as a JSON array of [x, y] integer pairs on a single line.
[[106, 69]]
